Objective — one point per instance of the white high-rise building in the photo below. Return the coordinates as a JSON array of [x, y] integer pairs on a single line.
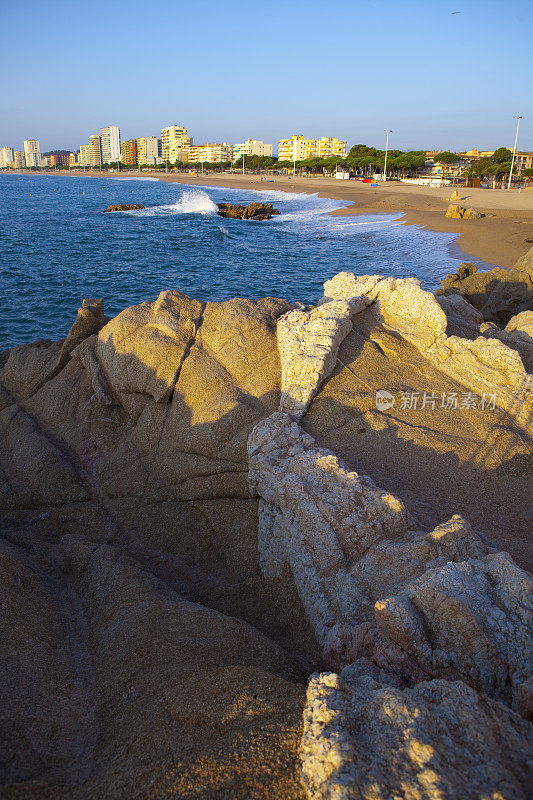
[[110, 139], [6, 157], [251, 147], [19, 159], [32, 153]]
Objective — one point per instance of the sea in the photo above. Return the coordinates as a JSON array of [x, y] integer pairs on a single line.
[[58, 247]]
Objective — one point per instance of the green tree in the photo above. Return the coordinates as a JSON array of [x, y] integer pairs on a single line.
[[501, 155], [446, 157]]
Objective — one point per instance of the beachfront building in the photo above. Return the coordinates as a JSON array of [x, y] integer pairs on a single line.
[[329, 146], [148, 150], [45, 161], [128, 152], [85, 155], [298, 148], [19, 159], [32, 153], [523, 160], [110, 144], [251, 147], [211, 153], [95, 151], [175, 142], [73, 159], [6, 157]]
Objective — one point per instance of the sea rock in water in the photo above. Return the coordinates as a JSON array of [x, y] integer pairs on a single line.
[[257, 211], [192, 522], [124, 207]]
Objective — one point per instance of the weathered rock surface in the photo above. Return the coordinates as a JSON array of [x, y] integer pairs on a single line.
[[460, 212], [257, 211], [499, 293], [365, 739], [165, 634], [124, 207]]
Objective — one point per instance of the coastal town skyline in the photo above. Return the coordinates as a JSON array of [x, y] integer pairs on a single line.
[[176, 146]]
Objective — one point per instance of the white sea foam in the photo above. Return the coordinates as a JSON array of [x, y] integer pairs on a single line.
[[190, 202]]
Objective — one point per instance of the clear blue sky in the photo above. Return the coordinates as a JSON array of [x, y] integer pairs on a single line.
[[229, 71]]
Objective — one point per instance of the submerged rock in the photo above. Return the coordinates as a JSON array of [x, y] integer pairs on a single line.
[[124, 207], [257, 211]]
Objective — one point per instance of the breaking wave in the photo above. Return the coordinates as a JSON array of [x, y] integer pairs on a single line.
[[189, 202]]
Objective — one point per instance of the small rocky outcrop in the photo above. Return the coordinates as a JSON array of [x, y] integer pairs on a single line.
[[256, 211], [499, 293], [460, 212], [124, 207]]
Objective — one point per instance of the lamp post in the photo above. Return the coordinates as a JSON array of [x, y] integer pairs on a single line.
[[517, 118], [386, 151]]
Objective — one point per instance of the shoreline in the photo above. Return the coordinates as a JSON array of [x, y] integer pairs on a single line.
[[498, 239]]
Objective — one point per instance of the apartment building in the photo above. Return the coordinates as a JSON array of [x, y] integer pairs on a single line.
[[251, 147], [19, 159], [6, 157], [32, 153], [95, 150], [73, 159], [148, 150], [211, 153], [128, 152], [110, 144], [329, 146], [85, 155], [175, 142], [523, 160], [298, 148]]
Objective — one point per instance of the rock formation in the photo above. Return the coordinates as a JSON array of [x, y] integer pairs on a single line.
[[460, 212], [192, 523], [499, 293], [257, 211], [124, 207], [365, 738]]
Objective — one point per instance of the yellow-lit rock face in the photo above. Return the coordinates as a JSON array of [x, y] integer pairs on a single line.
[[367, 739], [192, 522]]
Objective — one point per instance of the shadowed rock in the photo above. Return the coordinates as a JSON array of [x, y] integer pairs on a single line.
[[257, 211]]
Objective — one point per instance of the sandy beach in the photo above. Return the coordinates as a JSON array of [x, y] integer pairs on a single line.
[[500, 238]]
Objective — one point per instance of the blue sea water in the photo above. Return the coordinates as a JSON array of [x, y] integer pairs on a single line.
[[57, 247]]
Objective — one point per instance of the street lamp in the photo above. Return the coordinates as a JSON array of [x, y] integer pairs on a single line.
[[386, 150], [517, 118]]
